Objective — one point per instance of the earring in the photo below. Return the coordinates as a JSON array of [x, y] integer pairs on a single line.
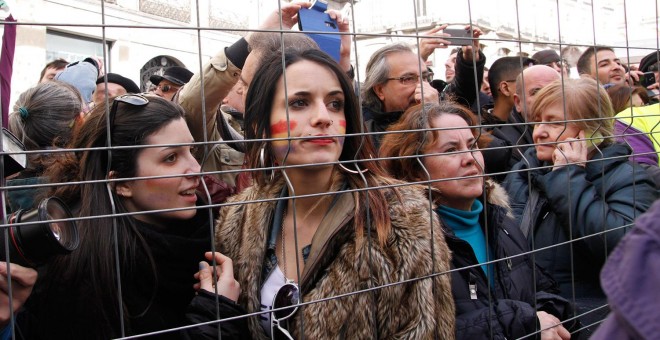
[[355, 172], [262, 164]]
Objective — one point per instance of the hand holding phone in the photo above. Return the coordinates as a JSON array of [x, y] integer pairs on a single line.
[[572, 151], [315, 19], [459, 36]]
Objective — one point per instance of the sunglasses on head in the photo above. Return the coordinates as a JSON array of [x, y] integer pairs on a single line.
[[287, 296], [130, 99]]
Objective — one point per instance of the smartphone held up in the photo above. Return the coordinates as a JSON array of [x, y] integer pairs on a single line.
[[319, 26], [459, 36]]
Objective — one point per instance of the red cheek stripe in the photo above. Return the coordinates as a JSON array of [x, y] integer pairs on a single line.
[[282, 127], [342, 126]]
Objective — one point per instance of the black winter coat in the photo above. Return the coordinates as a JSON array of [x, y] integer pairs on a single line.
[[511, 140], [508, 309], [579, 202], [62, 311]]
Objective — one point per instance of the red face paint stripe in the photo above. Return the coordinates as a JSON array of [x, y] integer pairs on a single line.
[[282, 127]]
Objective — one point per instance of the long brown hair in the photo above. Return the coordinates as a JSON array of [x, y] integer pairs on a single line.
[[93, 265], [357, 150], [414, 128]]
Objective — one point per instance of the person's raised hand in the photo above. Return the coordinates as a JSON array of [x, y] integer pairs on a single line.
[[467, 50], [433, 39], [430, 94], [289, 14], [570, 151], [345, 48]]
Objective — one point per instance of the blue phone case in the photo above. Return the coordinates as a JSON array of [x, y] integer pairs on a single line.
[[315, 19]]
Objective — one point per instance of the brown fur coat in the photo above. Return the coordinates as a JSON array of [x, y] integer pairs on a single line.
[[421, 309]]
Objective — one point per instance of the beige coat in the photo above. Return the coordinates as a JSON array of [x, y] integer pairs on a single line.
[[421, 309], [219, 75]]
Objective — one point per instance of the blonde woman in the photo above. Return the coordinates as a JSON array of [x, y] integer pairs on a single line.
[[575, 192]]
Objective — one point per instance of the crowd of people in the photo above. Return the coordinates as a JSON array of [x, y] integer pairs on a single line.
[[274, 195]]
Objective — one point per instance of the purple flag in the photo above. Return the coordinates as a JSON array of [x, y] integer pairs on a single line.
[[6, 67]]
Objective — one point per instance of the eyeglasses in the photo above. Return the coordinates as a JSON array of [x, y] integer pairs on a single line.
[[413, 78], [130, 99], [287, 296], [167, 88]]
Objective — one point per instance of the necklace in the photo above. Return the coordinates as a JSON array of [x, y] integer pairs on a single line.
[[283, 252]]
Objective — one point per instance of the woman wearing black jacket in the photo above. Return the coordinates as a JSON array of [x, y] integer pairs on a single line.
[[147, 233], [498, 291], [575, 194]]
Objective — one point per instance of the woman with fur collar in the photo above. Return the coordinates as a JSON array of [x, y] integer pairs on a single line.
[[317, 228], [498, 291]]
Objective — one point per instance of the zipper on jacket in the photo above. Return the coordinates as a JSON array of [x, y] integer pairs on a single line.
[[472, 284]]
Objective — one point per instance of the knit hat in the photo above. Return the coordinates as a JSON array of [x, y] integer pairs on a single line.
[[124, 82], [175, 74], [546, 57]]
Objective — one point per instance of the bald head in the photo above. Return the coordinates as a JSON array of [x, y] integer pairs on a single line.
[[528, 84]]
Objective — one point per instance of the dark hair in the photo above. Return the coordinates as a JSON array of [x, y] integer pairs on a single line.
[[259, 101], [57, 64], [584, 62], [266, 43], [621, 95], [396, 147], [94, 261], [44, 116], [506, 68]]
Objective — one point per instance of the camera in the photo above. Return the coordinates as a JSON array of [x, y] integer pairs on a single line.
[[647, 79], [39, 237]]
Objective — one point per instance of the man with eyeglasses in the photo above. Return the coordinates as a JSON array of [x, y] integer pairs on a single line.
[[172, 79], [397, 78]]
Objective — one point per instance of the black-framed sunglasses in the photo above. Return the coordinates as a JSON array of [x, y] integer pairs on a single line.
[[167, 88], [130, 99], [287, 296]]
